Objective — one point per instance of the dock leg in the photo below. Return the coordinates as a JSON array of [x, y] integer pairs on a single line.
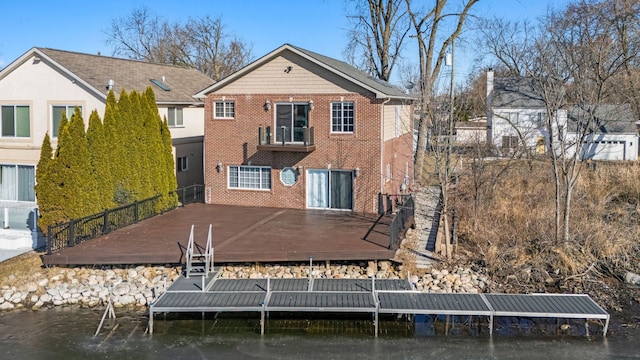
[[262, 321], [586, 327], [606, 326], [150, 322], [491, 325], [375, 323]]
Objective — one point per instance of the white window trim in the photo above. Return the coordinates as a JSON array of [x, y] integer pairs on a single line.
[[224, 117], [295, 174], [248, 188], [342, 110], [184, 163], [175, 110]]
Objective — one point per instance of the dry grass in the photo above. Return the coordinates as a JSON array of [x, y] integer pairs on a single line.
[[20, 268], [513, 231]]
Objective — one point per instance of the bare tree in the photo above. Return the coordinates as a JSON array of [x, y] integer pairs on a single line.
[[578, 60], [379, 30], [510, 44], [428, 27], [201, 43]]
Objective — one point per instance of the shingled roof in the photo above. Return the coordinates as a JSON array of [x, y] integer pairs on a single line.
[[516, 92], [94, 71], [382, 89], [609, 118]]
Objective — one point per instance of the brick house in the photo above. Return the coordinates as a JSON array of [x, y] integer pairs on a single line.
[[296, 129]]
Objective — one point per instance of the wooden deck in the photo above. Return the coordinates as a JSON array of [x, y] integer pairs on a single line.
[[240, 234]]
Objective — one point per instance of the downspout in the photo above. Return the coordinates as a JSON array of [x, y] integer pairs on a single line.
[[382, 176]]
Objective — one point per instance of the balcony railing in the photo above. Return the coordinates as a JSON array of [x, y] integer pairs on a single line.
[[301, 140]]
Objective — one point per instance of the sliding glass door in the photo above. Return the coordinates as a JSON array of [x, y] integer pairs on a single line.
[[293, 118], [330, 189]]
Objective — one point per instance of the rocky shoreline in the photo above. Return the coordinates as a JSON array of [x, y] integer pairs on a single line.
[[138, 286]]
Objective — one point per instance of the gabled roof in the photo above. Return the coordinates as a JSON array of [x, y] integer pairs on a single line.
[[515, 92], [382, 89], [95, 71], [609, 119]]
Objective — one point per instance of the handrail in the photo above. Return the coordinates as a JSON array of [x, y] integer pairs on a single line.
[[189, 253], [208, 266], [76, 231]]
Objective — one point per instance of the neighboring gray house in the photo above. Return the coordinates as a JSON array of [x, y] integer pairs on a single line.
[[42, 84], [613, 136]]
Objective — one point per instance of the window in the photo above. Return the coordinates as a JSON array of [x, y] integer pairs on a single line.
[[288, 176], [342, 117], [17, 182], [175, 117], [510, 142], [16, 121], [512, 117], [56, 116], [224, 110], [250, 177], [182, 164]]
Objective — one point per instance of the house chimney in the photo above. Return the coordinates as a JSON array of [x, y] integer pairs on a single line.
[[489, 83]]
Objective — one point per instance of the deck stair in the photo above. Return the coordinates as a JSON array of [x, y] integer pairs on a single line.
[[199, 263]]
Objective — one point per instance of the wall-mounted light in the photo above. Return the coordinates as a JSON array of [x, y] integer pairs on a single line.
[[356, 172], [267, 105], [310, 105], [299, 169], [219, 167], [110, 84], [288, 69], [329, 166], [36, 59]]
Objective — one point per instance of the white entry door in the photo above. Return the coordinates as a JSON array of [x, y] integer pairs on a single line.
[[330, 189]]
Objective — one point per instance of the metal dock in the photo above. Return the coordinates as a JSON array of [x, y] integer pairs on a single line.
[[375, 296]]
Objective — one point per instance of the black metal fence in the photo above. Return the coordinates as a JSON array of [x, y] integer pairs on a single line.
[[403, 208], [77, 231]]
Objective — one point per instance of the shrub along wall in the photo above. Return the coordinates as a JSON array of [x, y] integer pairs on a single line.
[[125, 158]]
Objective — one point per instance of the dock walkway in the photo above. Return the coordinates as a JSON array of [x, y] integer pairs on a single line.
[[375, 296]]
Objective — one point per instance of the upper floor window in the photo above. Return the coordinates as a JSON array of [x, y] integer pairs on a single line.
[[56, 116], [224, 110], [250, 177], [342, 117], [511, 117], [175, 117], [15, 121]]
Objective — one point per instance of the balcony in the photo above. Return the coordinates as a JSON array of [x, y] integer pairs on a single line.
[[296, 139]]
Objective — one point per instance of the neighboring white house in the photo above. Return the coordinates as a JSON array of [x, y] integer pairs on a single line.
[[472, 132], [42, 84], [517, 117]]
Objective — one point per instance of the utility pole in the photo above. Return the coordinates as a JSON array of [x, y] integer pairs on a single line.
[[448, 154]]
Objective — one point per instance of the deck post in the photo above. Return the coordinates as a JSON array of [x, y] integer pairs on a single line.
[[606, 326]]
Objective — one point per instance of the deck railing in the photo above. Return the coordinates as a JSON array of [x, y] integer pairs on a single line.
[[402, 207], [76, 231]]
